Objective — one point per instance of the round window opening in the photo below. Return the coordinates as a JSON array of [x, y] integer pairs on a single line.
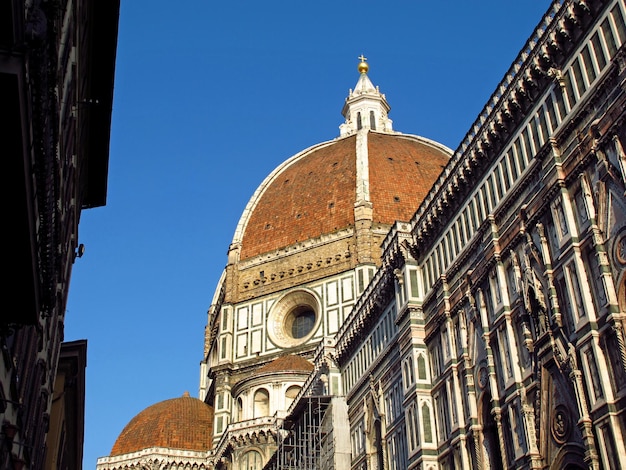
[[293, 319], [300, 321]]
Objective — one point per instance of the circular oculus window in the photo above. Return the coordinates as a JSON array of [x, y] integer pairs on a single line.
[[293, 319]]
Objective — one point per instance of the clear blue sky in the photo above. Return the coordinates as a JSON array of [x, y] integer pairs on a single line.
[[209, 98]]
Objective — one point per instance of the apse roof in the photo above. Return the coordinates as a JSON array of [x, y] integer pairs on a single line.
[[287, 363]]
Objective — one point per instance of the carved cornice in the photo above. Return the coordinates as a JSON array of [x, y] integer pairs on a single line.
[[245, 433], [367, 310], [315, 264], [156, 457], [398, 246], [296, 248], [526, 79], [42, 78]]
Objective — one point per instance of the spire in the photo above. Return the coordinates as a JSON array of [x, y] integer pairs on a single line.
[[365, 106]]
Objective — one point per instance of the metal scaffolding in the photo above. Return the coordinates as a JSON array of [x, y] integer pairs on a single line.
[[303, 438]]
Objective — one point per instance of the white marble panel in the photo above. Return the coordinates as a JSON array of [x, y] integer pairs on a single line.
[[242, 318], [347, 289], [256, 341], [242, 345], [333, 321], [332, 293], [257, 314]]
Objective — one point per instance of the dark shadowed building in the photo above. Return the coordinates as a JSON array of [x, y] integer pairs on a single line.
[[57, 61]]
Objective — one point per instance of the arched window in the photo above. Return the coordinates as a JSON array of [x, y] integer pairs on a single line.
[[359, 125], [428, 433], [250, 461], [421, 367], [290, 395], [261, 403], [372, 121]]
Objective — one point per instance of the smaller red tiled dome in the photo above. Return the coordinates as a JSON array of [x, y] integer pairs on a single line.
[[288, 363], [184, 423]]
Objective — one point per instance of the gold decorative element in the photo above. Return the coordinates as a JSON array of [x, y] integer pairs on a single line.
[[363, 65]]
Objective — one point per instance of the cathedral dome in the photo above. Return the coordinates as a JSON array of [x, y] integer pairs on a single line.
[[184, 423], [316, 192]]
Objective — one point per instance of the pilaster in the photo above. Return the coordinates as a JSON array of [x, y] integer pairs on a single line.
[[363, 208]]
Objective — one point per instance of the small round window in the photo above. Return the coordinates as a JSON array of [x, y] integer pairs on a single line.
[[293, 319]]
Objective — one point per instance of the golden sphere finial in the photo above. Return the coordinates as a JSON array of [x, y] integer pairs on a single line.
[[363, 66]]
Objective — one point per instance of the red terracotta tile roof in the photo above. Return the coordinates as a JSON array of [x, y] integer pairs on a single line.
[[315, 195], [402, 171], [180, 423], [288, 363]]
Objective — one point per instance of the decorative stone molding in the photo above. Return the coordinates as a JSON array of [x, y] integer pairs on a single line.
[[156, 458], [560, 424], [368, 308], [300, 267], [296, 248], [528, 75], [254, 431], [282, 313]]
